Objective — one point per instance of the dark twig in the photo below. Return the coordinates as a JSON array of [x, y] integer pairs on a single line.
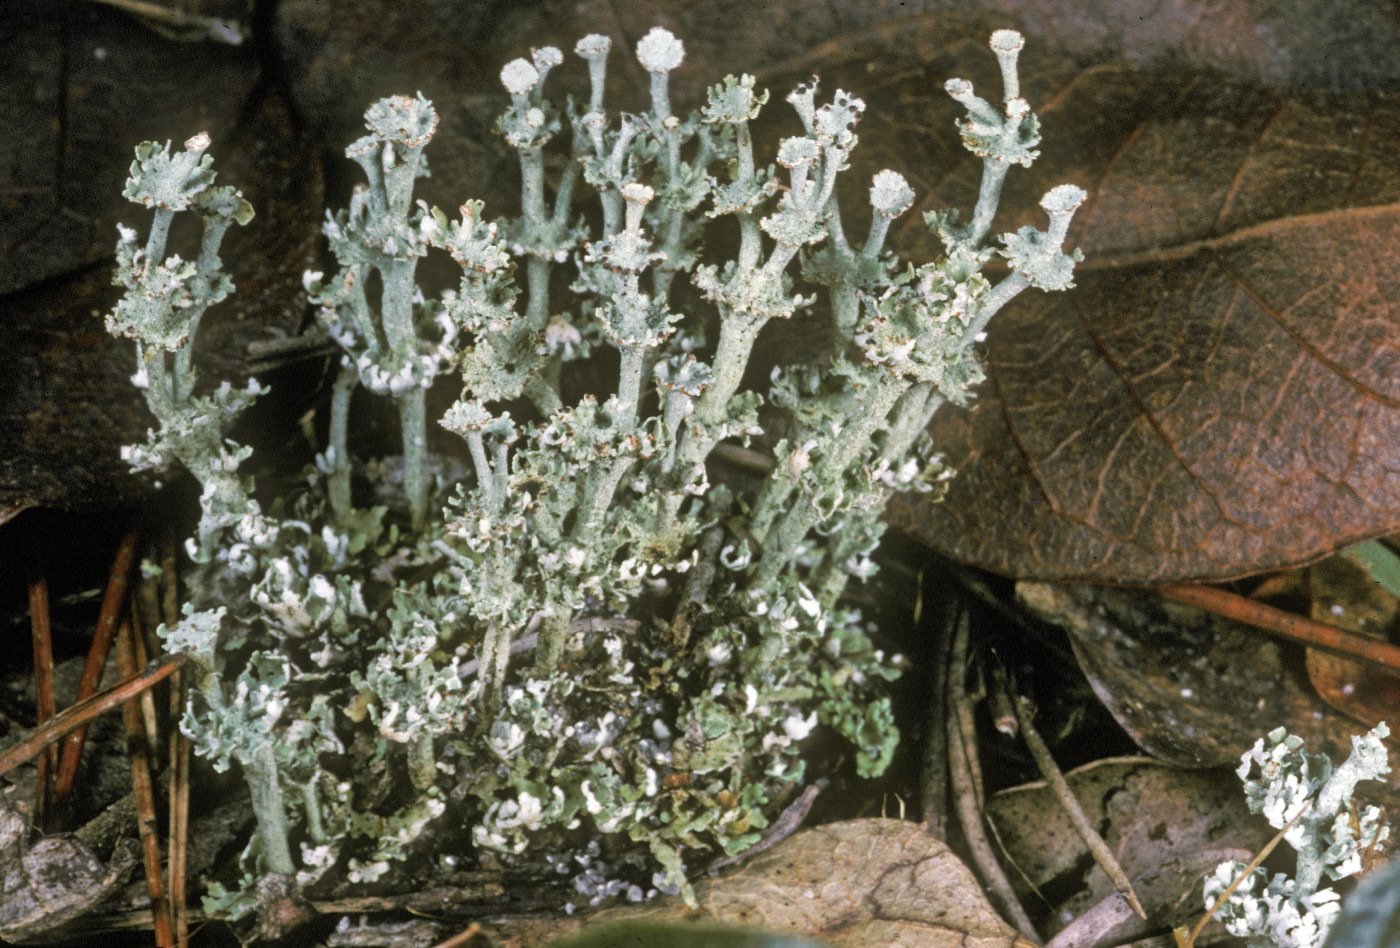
[[1055, 779], [934, 785], [783, 827], [966, 794], [84, 711], [1286, 625], [92, 670], [461, 938], [46, 704], [177, 864], [143, 789]]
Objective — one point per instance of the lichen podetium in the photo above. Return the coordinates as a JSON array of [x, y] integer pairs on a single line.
[[588, 653]]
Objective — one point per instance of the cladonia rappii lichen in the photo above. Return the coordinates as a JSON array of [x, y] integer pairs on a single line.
[[588, 653], [1302, 792]]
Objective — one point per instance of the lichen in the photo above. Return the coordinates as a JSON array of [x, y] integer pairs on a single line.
[[591, 656]]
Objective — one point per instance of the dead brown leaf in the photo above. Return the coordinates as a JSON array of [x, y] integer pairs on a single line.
[[852, 885], [1150, 814], [1344, 595]]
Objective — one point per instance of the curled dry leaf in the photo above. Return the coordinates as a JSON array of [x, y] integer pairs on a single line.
[[850, 885]]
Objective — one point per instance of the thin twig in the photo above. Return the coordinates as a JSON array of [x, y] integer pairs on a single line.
[[1286, 625], [783, 827], [177, 866], [84, 711], [934, 784], [1055, 779], [462, 937], [92, 670], [148, 700], [1002, 704], [967, 726], [964, 794], [46, 704], [143, 789], [1254, 863], [178, 23]]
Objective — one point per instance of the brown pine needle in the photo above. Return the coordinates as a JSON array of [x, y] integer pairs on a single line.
[[170, 598], [179, 812], [179, 838], [92, 669], [46, 704], [1254, 863], [84, 711], [1286, 625], [461, 938], [148, 700], [143, 789]]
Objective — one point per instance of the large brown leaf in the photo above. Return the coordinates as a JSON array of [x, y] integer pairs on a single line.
[[1219, 394], [851, 885]]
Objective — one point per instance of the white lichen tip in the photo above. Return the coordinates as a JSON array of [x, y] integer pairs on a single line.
[[798, 151], [1007, 41], [594, 44], [1063, 199], [890, 194], [547, 57], [660, 51], [958, 88], [636, 192], [198, 143], [519, 76], [1007, 45]]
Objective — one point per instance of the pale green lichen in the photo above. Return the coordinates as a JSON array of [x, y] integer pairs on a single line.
[[684, 641], [1329, 836]]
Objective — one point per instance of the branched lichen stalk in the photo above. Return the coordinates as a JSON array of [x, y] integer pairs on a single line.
[[346, 381], [577, 518]]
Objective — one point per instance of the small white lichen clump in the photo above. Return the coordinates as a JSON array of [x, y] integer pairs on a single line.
[[1291, 784]]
